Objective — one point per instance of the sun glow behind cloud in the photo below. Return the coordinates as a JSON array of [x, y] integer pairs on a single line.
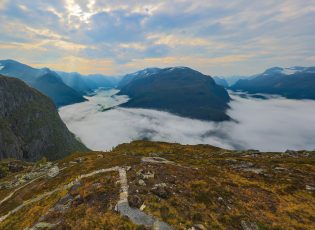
[[215, 37]]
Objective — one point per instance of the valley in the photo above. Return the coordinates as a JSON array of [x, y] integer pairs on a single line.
[[102, 124], [157, 115]]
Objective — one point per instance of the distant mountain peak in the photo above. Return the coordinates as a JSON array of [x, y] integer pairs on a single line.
[[179, 90], [295, 82], [44, 80], [288, 70]]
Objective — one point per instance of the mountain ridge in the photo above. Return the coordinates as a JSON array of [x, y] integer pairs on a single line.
[[179, 90], [30, 126], [293, 82], [45, 80]]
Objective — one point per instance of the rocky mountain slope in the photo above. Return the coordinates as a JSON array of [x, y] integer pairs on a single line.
[[178, 90], [221, 81], [88, 83], [30, 126], [294, 82], [46, 81], [154, 185]]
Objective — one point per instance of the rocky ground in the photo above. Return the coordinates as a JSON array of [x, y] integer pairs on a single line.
[[153, 185]]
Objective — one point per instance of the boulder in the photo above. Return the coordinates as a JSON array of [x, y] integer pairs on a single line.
[[141, 182], [200, 227], [135, 201], [247, 225], [14, 167], [145, 175], [52, 172], [160, 190], [309, 188]]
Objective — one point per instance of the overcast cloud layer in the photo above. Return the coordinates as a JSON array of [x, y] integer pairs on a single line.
[[217, 37], [276, 124]]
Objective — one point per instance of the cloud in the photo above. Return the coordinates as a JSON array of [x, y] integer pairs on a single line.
[[275, 124], [116, 26], [213, 30]]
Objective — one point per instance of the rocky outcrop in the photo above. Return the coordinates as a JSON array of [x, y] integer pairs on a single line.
[[30, 126]]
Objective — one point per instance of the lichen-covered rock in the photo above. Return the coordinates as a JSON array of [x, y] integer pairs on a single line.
[[160, 190], [246, 225]]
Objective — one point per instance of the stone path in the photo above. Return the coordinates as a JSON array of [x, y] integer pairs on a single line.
[[12, 193], [135, 215], [157, 160]]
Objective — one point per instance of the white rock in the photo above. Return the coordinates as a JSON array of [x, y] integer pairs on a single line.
[[142, 207], [309, 188], [54, 171]]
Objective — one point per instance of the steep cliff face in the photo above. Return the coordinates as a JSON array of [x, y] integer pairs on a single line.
[[30, 126]]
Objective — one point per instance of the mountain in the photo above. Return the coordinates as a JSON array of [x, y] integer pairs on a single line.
[[87, 83], [227, 81], [45, 80], [156, 185], [137, 75], [294, 82], [30, 127], [19, 70], [51, 85], [178, 90], [221, 81]]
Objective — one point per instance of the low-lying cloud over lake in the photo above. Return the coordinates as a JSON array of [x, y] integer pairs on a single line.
[[275, 124]]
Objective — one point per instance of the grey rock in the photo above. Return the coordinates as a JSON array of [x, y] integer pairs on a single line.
[[79, 159], [53, 172], [247, 225], [160, 190], [141, 182], [199, 227], [280, 169], [145, 175], [254, 170], [243, 165], [309, 188], [14, 167], [43, 225], [140, 218]]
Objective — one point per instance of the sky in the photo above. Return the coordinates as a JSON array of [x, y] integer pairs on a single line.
[[216, 37]]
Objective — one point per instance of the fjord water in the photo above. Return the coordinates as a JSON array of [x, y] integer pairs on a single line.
[[269, 124]]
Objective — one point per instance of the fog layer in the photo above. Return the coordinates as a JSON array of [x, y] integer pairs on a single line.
[[274, 124]]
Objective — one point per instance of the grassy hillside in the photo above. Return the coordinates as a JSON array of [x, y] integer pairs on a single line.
[[181, 186]]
